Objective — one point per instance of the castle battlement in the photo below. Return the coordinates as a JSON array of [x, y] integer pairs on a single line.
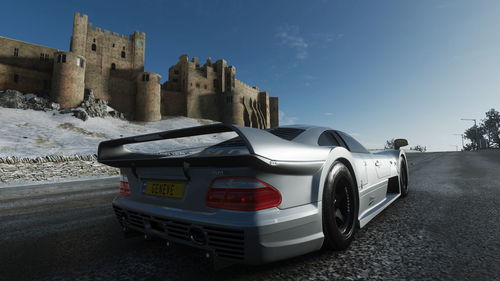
[[244, 85], [83, 16], [109, 34]]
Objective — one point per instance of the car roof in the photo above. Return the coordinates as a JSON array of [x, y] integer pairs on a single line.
[[309, 134]]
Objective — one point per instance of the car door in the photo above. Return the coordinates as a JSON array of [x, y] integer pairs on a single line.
[[375, 190], [382, 165], [361, 162]]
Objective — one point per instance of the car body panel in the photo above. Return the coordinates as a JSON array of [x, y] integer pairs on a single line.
[[297, 168]]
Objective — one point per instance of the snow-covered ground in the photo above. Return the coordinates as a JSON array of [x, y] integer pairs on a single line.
[[29, 133]]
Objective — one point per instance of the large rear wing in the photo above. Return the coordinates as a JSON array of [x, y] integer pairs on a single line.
[[258, 142]]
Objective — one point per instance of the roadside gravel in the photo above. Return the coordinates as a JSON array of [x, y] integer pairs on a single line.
[[25, 172]]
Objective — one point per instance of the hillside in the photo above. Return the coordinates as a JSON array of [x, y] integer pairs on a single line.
[[30, 133]]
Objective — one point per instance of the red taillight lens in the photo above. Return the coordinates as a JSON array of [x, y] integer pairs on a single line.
[[124, 187], [242, 194]]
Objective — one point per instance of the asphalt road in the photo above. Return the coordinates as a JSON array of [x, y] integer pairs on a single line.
[[448, 228]]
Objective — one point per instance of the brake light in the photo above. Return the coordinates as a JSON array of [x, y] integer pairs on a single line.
[[124, 186], [242, 194]]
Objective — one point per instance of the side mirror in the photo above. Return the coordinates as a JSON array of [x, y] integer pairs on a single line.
[[398, 143]]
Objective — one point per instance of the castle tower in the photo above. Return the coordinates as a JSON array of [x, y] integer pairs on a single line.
[[274, 111], [148, 97], [233, 101], [79, 37], [68, 79], [264, 106], [234, 109], [220, 67], [138, 48]]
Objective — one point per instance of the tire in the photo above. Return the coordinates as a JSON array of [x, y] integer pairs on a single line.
[[403, 178], [340, 208]]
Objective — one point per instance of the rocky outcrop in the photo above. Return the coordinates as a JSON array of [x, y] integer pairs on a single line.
[[16, 99], [90, 107]]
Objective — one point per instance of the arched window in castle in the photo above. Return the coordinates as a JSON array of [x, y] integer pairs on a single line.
[[16, 52], [113, 66], [145, 77], [94, 47], [59, 58], [63, 59], [123, 54], [46, 58], [197, 85]]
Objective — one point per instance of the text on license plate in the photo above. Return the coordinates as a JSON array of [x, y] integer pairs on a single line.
[[168, 189]]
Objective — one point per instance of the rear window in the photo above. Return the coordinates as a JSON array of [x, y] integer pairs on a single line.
[[286, 133]]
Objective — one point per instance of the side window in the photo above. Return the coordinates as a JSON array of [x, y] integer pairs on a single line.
[[326, 139], [352, 144]]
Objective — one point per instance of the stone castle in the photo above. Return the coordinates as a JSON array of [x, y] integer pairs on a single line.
[[111, 66]]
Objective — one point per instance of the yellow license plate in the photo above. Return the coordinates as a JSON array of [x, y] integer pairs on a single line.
[[168, 189]]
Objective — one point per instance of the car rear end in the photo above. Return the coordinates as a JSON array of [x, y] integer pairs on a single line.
[[235, 205]]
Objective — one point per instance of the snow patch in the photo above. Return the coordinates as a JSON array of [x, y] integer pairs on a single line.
[[30, 133]]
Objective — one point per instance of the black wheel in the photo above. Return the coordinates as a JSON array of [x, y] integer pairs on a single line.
[[403, 178], [340, 208]]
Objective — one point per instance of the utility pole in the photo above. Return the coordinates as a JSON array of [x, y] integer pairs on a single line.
[[462, 135], [475, 126]]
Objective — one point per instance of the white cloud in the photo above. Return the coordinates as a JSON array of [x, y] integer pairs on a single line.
[[328, 113], [287, 120], [289, 36]]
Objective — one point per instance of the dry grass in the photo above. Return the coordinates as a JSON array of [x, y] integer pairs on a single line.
[[71, 127]]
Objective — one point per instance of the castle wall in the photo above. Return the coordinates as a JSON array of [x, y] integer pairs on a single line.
[[173, 103], [27, 69], [28, 81], [122, 92], [252, 110]]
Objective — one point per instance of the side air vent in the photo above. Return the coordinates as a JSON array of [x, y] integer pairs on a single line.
[[286, 133]]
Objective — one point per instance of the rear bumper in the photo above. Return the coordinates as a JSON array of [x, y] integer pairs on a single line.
[[240, 237]]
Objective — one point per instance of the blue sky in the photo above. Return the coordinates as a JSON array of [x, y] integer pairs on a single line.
[[375, 69]]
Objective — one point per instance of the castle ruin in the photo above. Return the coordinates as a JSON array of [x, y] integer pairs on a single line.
[[111, 66]]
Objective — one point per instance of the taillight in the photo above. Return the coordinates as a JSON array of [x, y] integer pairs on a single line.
[[124, 186], [242, 194]]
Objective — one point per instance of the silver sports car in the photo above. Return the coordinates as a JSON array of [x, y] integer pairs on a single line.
[[262, 196]]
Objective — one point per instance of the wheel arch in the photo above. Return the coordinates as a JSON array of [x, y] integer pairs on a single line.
[[344, 159]]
